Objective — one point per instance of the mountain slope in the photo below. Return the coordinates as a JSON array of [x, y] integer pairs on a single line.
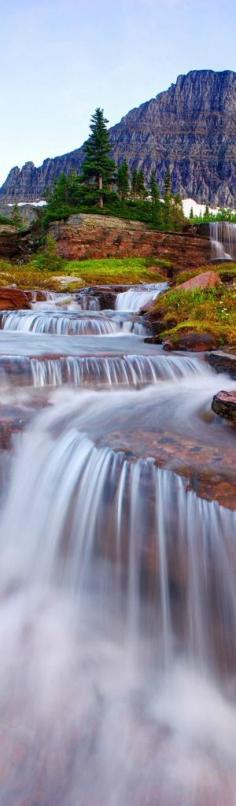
[[190, 128]]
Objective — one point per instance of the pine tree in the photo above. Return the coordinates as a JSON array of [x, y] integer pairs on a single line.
[[123, 180], [98, 167], [167, 207], [134, 181], [156, 203], [141, 190], [191, 215]]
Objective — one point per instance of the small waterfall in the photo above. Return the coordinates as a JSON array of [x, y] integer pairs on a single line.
[[129, 370], [57, 323], [150, 539], [137, 297], [223, 240]]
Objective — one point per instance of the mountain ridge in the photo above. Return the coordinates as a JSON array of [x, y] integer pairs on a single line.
[[190, 128]]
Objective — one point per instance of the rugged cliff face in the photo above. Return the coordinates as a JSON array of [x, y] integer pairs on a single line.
[[190, 128]]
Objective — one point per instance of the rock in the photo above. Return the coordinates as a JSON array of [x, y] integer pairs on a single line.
[[94, 236], [223, 362], [199, 342], [224, 404], [190, 129], [209, 279], [13, 298]]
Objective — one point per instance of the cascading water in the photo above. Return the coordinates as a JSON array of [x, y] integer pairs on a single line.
[[135, 298], [117, 581], [223, 240], [127, 370]]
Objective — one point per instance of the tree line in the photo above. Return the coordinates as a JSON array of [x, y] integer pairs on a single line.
[[113, 189]]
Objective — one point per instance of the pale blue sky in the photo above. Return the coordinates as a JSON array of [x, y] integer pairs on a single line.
[[59, 59]]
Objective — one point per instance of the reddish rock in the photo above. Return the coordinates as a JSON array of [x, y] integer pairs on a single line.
[[94, 236], [13, 298], [224, 404], [209, 279], [191, 340]]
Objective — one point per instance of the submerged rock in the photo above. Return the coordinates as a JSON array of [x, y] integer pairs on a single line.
[[223, 362], [224, 404]]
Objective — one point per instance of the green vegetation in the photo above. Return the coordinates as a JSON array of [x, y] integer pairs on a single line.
[[210, 310], [110, 189], [38, 274], [207, 217], [98, 168]]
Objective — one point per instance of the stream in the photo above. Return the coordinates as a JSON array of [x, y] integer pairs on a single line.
[[118, 563]]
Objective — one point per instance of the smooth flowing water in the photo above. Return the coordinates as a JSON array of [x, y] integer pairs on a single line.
[[223, 240], [118, 563]]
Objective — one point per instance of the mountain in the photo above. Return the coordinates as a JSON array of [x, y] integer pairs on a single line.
[[190, 128]]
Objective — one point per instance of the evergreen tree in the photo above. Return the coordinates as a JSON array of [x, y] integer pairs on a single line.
[[141, 190], [207, 211], [191, 215], [167, 206], [134, 182], [98, 167], [156, 203], [123, 180]]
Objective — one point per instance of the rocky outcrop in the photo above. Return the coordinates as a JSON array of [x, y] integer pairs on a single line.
[[224, 404], [84, 237], [190, 129], [12, 299], [191, 340], [223, 362], [209, 279]]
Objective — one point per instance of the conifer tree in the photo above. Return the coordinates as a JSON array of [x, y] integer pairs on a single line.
[[141, 190], [134, 181], [123, 180], [98, 167], [156, 203]]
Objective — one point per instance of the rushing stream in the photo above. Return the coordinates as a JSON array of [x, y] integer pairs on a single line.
[[118, 564]]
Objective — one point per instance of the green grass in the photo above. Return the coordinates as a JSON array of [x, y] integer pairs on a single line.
[[210, 310], [88, 272]]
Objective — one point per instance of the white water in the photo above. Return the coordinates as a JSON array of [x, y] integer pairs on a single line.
[[223, 240], [137, 297], [127, 370], [117, 582]]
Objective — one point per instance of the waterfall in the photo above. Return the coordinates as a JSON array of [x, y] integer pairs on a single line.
[[127, 370], [122, 525], [57, 324], [137, 297], [223, 240]]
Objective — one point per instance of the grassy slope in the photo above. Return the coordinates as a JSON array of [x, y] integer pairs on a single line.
[[88, 272], [204, 311]]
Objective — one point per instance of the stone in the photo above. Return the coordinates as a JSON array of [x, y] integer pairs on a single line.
[[191, 340], [13, 298], [94, 236], [208, 279], [224, 404], [190, 129], [223, 362]]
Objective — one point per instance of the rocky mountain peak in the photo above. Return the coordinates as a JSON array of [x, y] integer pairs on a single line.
[[189, 128]]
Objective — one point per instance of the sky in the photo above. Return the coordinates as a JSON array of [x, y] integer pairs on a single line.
[[60, 59]]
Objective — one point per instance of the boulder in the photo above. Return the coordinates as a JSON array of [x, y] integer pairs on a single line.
[[223, 362], [198, 342], [208, 279], [224, 404], [13, 298]]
